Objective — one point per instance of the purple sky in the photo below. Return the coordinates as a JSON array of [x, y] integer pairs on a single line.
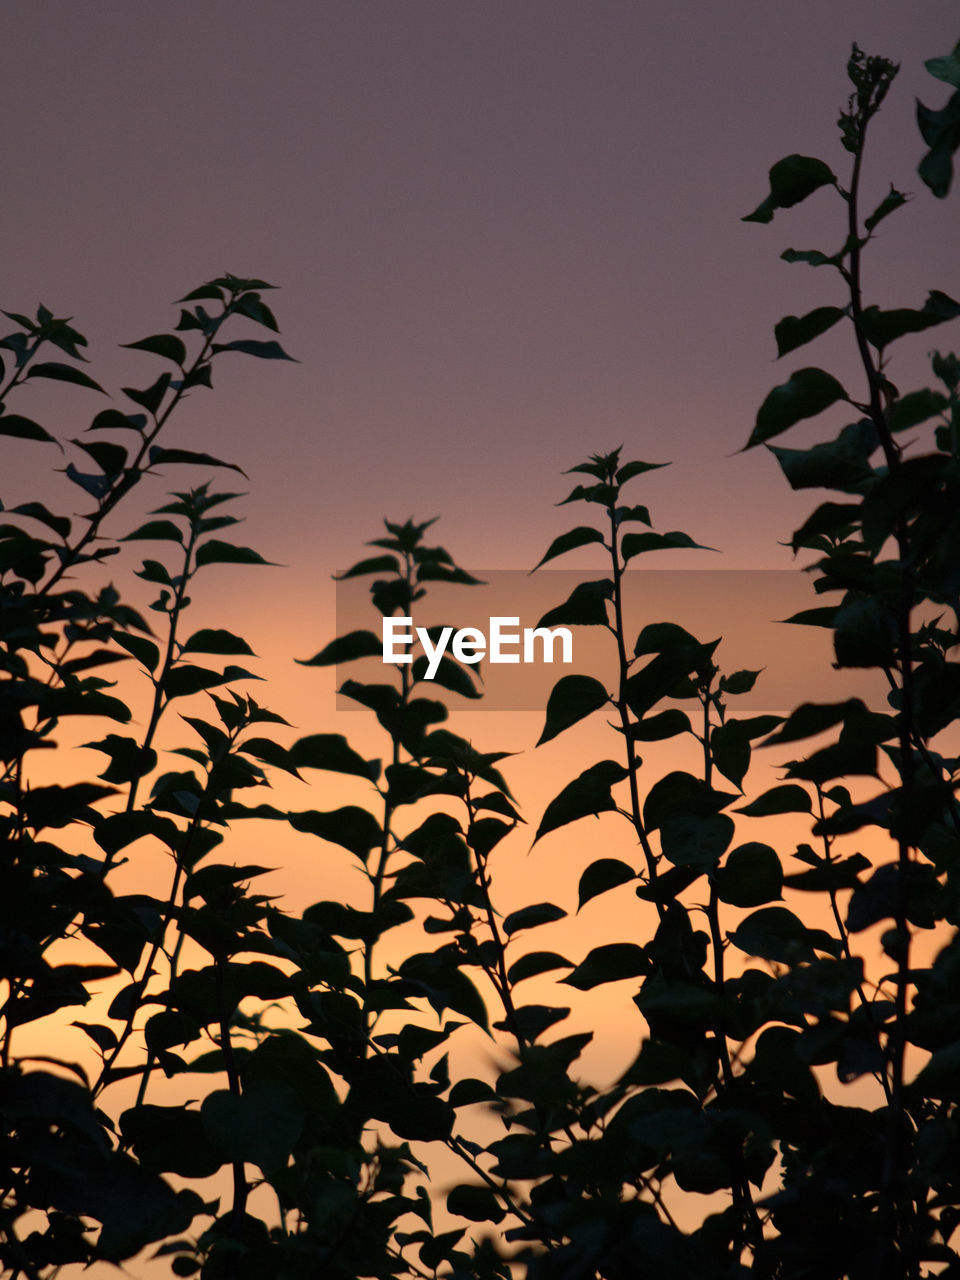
[[507, 235]]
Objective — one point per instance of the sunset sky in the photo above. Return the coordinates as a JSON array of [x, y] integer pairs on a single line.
[[506, 235]]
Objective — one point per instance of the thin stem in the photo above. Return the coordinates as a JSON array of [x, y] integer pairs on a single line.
[[623, 710], [844, 936], [132, 473], [892, 1209], [159, 699], [240, 1185]]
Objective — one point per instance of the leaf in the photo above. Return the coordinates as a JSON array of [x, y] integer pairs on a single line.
[[893, 200], [331, 751], [159, 530], [791, 181], [634, 544], [665, 724], [680, 793], [103, 1037], [638, 514], [186, 678], [253, 347], [841, 464], [252, 306], [572, 699], [159, 455], [356, 644], [269, 752], [909, 410], [582, 536], [213, 551], [432, 572], [59, 372], [374, 564], [171, 1140], [750, 876], [585, 606], [536, 962], [610, 963], [730, 748], [946, 68], [529, 917], [695, 840], [941, 133], [150, 398], [37, 511], [738, 682], [813, 257], [350, 826], [114, 420], [661, 676], [261, 1126], [12, 424], [631, 469], [793, 331], [883, 327], [865, 634], [788, 798], [587, 794], [601, 876], [811, 718], [128, 760], [774, 933], [477, 1204], [806, 393], [161, 344], [940, 1077], [217, 640], [448, 674], [603, 494]]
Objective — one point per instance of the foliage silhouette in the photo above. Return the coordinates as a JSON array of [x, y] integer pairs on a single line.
[[321, 1069]]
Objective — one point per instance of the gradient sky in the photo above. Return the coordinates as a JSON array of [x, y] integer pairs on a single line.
[[507, 235]]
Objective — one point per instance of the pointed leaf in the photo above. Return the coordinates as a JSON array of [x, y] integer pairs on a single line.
[[750, 876], [529, 917], [213, 551], [788, 798], [582, 536], [634, 544], [796, 331], [64, 373], [572, 699], [806, 393], [601, 876], [12, 424], [161, 344], [253, 347], [217, 640], [589, 794], [331, 751], [356, 644], [609, 963], [791, 181], [159, 455]]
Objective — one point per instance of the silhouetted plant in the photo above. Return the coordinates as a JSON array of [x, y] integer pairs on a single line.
[[321, 1069]]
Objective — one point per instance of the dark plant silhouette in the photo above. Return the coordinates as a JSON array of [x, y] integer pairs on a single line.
[[324, 1100]]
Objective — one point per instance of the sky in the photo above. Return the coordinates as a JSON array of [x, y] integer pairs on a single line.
[[504, 235]]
